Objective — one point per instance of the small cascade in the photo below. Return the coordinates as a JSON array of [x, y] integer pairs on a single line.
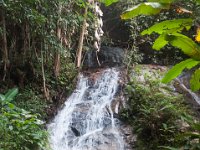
[[87, 120]]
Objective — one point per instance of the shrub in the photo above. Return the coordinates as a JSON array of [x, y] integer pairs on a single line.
[[154, 111], [19, 129]]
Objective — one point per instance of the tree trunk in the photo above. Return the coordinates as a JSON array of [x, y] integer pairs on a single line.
[[81, 39], [4, 44], [57, 53], [46, 91], [57, 57]]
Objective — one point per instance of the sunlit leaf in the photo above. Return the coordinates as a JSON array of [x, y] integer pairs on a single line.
[[160, 42], [162, 1], [169, 26], [11, 106], [195, 80], [198, 1], [108, 2], [197, 38], [187, 45], [147, 8], [178, 68]]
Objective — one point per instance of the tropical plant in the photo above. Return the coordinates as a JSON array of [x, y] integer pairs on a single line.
[[19, 129], [170, 33], [154, 110]]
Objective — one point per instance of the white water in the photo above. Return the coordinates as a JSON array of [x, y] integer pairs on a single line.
[[86, 122]]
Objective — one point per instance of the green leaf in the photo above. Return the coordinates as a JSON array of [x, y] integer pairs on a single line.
[[160, 42], [147, 8], [195, 80], [196, 126], [169, 26], [178, 68], [2, 97], [187, 45], [11, 106], [162, 1], [108, 2], [169, 148], [198, 1], [11, 94]]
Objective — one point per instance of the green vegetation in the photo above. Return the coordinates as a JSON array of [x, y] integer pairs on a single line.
[[157, 114], [42, 46], [170, 32], [19, 129]]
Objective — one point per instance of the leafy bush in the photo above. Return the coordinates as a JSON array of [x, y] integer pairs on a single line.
[[19, 129], [154, 111], [191, 138], [29, 99], [169, 32]]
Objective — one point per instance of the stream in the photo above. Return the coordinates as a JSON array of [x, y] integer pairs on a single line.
[[87, 122]]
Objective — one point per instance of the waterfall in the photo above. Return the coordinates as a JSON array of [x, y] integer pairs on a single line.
[[87, 120]]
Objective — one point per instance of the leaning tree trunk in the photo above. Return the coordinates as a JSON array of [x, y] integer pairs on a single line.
[[81, 39], [4, 44]]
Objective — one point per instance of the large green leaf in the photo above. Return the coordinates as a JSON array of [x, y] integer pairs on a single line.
[[147, 8], [195, 80], [9, 96], [108, 2], [160, 42], [187, 45], [178, 68], [169, 26]]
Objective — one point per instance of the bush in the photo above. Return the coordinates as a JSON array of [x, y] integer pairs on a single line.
[[29, 99], [154, 111], [19, 129]]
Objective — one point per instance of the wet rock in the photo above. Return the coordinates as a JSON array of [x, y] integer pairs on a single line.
[[106, 121], [128, 136], [78, 128], [79, 116], [75, 131], [107, 57]]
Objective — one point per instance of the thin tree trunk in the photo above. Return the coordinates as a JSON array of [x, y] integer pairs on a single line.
[[4, 44], [57, 57], [46, 91], [57, 53], [81, 39]]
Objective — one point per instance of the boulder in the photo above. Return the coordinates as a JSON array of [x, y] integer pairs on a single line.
[[106, 57]]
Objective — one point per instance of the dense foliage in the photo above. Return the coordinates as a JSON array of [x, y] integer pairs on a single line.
[[19, 129], [157, 114], [39, 41], [170, 33]]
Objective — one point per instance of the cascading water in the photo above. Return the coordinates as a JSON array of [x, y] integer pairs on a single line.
[[86, 122]]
